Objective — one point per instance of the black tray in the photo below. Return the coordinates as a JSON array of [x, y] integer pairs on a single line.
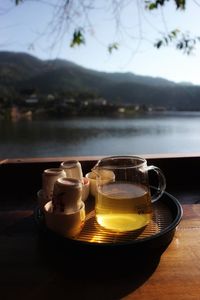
[[167, 213]]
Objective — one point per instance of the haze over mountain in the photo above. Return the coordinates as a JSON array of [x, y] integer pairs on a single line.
[[19, 71]]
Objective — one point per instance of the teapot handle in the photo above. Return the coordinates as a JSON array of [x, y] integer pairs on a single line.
[[161, 183]]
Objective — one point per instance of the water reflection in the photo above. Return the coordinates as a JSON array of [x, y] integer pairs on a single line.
[[100, 136]]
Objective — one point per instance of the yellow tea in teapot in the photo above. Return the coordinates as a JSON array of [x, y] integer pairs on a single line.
[[123, 206]]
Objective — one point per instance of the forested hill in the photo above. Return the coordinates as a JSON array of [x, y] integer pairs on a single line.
[[20, 71]]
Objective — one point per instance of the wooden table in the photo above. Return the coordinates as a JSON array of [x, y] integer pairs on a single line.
[[27, 271], [26, 274]]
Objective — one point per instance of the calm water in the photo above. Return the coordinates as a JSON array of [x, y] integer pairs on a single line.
[[166, 133]]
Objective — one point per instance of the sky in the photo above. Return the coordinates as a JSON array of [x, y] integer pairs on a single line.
[[34, 27]]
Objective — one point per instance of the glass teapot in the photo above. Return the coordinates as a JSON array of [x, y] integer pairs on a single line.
[[123, 201]]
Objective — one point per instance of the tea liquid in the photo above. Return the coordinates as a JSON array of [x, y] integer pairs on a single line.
[[123, 206]]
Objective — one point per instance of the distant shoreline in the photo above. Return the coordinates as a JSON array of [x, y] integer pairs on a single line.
[[168, 113]]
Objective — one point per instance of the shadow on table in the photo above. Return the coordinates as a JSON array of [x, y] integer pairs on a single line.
[[47, 267], [101, 273]]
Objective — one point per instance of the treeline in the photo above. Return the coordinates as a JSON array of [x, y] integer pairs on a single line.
[[33, 105]]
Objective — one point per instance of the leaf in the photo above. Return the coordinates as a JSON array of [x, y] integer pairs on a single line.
[[113, 46], [166, 40], [158, 44], [155, 4], [175, 32], [18, 1], [78, 38], [180, 45], [152, 6], [180, 4]]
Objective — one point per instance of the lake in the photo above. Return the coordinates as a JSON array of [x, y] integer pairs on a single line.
[[145, 134]]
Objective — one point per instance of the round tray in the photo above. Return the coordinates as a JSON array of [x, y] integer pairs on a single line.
[[167, 213]]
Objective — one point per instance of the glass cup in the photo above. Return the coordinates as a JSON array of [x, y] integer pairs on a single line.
[[125, 203], [72, 169]]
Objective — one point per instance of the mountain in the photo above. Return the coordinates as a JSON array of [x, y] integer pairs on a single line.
[[21, 71]]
